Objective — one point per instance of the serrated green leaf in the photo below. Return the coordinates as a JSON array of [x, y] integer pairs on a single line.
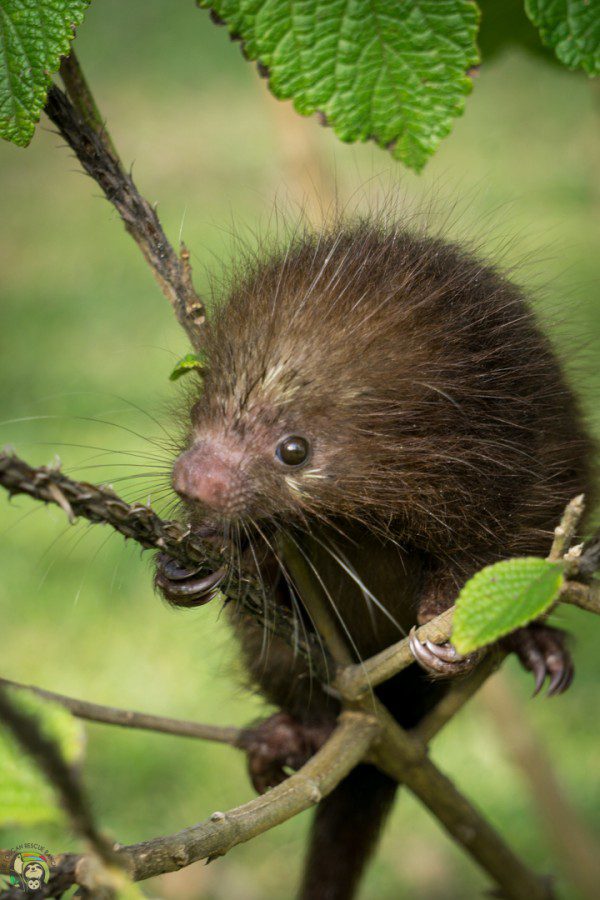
[[392, 71], [503, 597], [34, 34], [189, 362], [25, 796], [571, 28]]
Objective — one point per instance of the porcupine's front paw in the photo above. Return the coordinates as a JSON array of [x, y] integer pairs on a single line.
[[278, 743], [182, 586], [442, 660], [543, 651]]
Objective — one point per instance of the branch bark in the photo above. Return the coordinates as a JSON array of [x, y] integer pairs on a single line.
[[404, 757]]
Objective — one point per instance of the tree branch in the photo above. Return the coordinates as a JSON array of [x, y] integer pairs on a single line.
[[404, 756], [77, 118], [400, 754], [224, 830], [141, 524], [128, 718]]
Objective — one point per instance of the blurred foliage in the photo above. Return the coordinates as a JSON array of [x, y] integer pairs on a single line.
[[79, 615], [26, 798]]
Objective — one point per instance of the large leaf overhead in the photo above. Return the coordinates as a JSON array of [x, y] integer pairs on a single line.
[[34, 34], [394, 71], [571, 28]]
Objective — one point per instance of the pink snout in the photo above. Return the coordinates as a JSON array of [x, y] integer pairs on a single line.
[[207, 477]]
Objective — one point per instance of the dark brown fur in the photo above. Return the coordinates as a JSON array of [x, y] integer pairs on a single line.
[[443, 437]]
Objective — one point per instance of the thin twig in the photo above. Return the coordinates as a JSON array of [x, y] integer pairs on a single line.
[[81, 126], [128, 718], [402, 757], [582, 595], [565, 532], [81, 97], [357, 680]]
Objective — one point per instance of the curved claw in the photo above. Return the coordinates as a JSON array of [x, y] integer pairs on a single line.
[[562, 674], [174, 571], [543, 651], [444, 651], [538, 669], [440, 660], [191, 591]]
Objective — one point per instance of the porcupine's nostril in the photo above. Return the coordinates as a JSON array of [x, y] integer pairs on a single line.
[[204, 477]]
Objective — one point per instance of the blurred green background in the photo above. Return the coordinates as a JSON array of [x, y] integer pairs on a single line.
[[87, 342]]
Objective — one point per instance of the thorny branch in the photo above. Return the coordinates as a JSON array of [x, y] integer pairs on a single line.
[[101, 505]]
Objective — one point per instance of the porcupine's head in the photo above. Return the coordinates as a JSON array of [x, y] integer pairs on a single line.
[[290, 420], [366, 374]]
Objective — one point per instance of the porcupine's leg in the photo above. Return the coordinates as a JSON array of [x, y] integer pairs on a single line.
[[287, 739]]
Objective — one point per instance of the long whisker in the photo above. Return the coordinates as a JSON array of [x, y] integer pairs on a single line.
[[266, 631], [297, 612], [367, 594], [328, 596]]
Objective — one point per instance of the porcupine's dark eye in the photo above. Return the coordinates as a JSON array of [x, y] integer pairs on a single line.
[[293, 451]]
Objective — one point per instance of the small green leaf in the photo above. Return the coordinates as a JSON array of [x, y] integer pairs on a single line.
[[34, 34], [571, 28], [26, 798], [188, 363], [503, 597], [392, 71]]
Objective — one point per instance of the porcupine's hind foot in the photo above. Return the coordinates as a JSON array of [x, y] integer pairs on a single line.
[[543, 651], [184, 587], [278, 743]]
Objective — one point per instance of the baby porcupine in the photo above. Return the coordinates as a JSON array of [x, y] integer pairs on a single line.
[[387, 402]]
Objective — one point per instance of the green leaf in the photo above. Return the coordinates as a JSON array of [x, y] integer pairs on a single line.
[[26, 798], [189, 362], [503, 597], [34, 34], [572, 28], [392, 71]]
